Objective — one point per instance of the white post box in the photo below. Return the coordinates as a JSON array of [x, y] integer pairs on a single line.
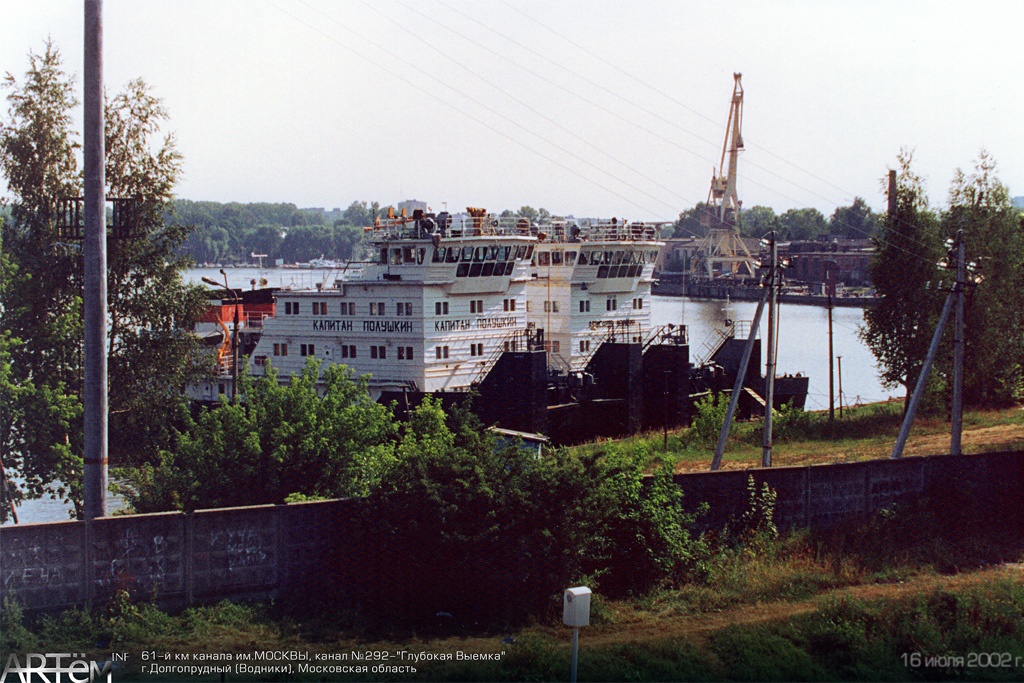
[[576, 607]]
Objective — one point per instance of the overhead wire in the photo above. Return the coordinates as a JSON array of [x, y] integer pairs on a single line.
[[476, 119]]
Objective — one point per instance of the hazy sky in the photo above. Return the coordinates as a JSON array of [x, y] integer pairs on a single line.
[[592, 108]]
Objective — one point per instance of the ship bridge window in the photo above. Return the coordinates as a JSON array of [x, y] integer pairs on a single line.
[[396, 257], [543, 258], [521, 252], [462, 270], [492, 253], [606, 258], [556, 257], [583, 258], [452, 256], [439, 255], [488, 270], [509, 267], [619, 256], [409, 255], [474, 269], [570, 258], [506, 254], [480, 254], [529, 252], [467, 253], [602, 272]]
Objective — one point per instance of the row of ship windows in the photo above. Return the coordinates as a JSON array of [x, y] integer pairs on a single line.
[[476, 306], [557, 257], [377, 352]]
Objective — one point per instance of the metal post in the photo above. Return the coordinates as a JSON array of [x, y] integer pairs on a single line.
[[95, 255], [957, 418], [737, 385], [831, 392], [575, 651], [769, 399], [234, 339], [922, 379], [839, 359]]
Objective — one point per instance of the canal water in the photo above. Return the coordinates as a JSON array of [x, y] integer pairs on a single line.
[[803, 345]]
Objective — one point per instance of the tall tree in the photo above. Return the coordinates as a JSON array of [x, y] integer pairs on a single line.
[[149, 306], [802, 224], [856, 221], [899, 327], [758, 221], [980, 206]]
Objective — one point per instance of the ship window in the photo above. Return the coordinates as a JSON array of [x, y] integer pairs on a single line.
[[383, 256], [307, 350], [280, 349], [379, 352], [506, 254], [606, 257], [441, 352], [439, 255], [380, 308], [492, 253], [619, 256], [583, 258], [463, 270], [585, 306], [467, 253], [543, 258], [420, 254], [452, 256], [570, 258], [584, 346], [556, 257], [509, 267], [480, 253], [509, 304], [611, 304], [529, 252], [221, 387], [348, 308], [440, 308], [614, 272], [474, 269], [638, 303], [520, 253], [259, 360], [401, 353], [634, 270], [602, 271], [409, 255], [488, 270]]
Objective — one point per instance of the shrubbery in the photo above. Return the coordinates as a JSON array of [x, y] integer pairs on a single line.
[[487, 532]]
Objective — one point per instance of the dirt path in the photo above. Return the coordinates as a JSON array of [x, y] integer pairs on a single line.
[[699, 627], [973, 440]]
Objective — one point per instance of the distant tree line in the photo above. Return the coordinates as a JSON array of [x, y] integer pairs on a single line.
[[232, 232], [856, 221]]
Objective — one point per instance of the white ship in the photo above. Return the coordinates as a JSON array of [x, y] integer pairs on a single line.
[[445, 298]]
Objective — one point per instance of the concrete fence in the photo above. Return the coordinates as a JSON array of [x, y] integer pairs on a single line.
[[264, 551]]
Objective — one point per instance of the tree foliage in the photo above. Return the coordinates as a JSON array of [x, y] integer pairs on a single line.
[[482, 522], [980, 206], [318, 436], [41, 294], [856, 221], [898, 329]]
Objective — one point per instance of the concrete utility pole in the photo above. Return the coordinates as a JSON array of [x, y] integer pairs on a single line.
[[95, 254], [737, 386], [957, 417], [769, 379]]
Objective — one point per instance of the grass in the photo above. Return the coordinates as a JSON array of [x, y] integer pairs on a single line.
[[864, 433]]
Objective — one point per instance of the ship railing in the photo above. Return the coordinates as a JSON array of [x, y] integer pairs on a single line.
[[719, 336], [608, 331], [670, 333], [517, 340]]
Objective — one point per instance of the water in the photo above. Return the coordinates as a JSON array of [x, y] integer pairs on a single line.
[[803, 345]]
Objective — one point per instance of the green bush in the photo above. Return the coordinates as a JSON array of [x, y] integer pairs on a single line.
[[708, 418], [484, 532]]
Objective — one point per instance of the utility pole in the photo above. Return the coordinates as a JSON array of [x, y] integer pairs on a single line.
[[769, 380], [737, 385], [95, 255], [957, 418], [922, 379], [830, 286], [839, 359]]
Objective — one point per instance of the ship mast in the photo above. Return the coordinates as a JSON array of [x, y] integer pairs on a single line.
[[723, 253]]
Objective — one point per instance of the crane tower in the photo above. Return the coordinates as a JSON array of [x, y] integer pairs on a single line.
[[722, 253]]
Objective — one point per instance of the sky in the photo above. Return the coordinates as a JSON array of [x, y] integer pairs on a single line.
[[582, 107]]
